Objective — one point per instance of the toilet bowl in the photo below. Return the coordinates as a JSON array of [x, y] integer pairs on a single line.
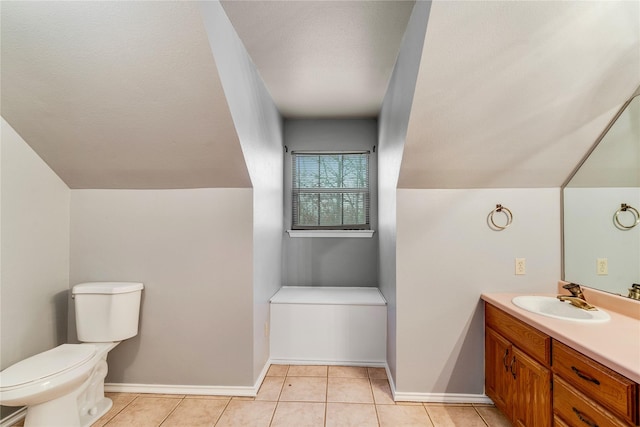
[[64, 386], [60, 386]]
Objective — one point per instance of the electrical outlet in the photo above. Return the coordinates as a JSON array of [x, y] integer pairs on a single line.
[[521, 266], [602, 266]]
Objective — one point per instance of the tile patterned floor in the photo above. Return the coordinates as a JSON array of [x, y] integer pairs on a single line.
[[299, 396]]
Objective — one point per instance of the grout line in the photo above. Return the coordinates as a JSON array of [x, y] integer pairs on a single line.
[[428, 415], [172, 411], [116, 414], [326, 399], [480, 415], [273, 414], [222, 413], [375, 407]]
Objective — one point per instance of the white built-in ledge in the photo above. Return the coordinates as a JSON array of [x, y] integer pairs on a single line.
[[330, 233], [328, 325], [325, 295]]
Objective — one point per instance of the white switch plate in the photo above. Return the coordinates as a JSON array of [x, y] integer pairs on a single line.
[[602, 266], [521, 266]]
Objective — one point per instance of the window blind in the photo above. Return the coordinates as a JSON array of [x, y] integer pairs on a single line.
[[330, 190]]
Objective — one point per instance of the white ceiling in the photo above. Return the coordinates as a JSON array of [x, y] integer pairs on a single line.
[[127, 94]]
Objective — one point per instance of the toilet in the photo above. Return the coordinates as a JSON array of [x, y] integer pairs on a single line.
[[64, 386]]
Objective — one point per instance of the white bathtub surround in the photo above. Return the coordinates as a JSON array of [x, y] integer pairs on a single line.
[[328, 325]]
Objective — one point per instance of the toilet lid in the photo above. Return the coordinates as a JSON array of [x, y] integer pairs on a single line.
[[51, 362]]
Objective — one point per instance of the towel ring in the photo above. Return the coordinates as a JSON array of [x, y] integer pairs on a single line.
[[626, 208], [507, 213]]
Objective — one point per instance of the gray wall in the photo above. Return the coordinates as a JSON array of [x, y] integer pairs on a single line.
[[35, 252], [310, 261], [259, 127], [393, 122], [437, 254], [447, 256], [210, 258], [193, 251]]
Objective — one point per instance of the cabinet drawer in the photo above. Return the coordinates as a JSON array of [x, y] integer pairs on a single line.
[[611, 389], [557, 422], [532, 341], [577, 410]]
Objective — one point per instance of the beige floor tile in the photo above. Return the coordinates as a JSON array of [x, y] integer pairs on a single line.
[[245, 413], [492, 416], [349, 390], [446, 404], [196, 413], [206, 396], [168, 396], [403, 415], [410, 403], [348, 372], [351, 415], [382, 392], [307, 371], [277, 370], [120, 401], [377, 373], [145, 411], [454, 415], [304, 389], [299, 414], [243, 398], [270, 389]]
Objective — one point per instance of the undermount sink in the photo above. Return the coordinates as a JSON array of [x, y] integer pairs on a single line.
[[553, 307]]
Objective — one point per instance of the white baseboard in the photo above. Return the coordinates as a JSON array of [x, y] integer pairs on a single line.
[[441, 398], [434, 397], [261, 377], [245, 391], [328, 362], [14, 418], [252, 391], [181, 389]]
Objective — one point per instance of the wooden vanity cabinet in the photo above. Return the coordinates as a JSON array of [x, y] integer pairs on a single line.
[[519, 364], [587, 390], [517, 377], [577, 410]]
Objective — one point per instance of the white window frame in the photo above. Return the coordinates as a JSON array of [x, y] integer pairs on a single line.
[[349, 230]]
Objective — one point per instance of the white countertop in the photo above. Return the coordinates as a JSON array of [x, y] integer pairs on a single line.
[[615, 344]]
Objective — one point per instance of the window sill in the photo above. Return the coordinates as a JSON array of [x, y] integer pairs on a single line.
[[331, 233]]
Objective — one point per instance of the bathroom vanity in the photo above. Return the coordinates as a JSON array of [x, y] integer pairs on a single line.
[[541, 371]]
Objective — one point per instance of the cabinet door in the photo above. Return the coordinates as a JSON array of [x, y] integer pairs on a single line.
[[532, 396], [498, 377]]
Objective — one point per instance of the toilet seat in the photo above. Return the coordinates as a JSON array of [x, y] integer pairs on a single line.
[[50, 363]]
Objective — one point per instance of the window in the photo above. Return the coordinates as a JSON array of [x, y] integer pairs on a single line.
[[330, 191]]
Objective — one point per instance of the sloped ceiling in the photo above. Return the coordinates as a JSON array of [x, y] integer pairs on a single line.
[[127, 95], [323, 59], [513, 94], [119, 94]]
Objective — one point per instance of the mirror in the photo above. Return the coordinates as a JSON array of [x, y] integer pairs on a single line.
[[600, 252]]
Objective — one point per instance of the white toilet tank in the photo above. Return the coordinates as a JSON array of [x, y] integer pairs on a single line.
[[107, 311]]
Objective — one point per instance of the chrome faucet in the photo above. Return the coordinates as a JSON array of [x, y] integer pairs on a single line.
[[577, 298]]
